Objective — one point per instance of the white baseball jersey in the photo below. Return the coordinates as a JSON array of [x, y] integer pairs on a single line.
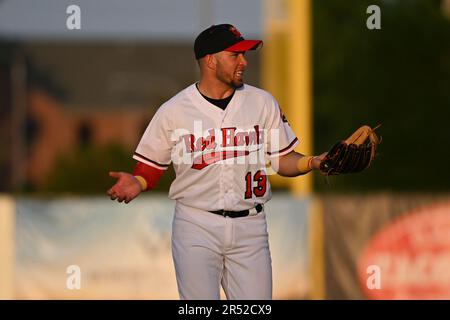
[[219, 156]]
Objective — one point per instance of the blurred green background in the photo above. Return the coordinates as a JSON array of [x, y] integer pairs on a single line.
[[398, 76]]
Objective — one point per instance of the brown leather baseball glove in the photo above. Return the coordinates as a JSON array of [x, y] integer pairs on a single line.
[[354, 154]]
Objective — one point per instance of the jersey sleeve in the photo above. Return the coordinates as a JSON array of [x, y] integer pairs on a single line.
[[155, 146], [281, 139], [150, 174]]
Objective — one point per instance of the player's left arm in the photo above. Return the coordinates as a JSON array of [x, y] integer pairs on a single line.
[[294, 164]]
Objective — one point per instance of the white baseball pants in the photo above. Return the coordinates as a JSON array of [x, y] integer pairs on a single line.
[[210, 250]]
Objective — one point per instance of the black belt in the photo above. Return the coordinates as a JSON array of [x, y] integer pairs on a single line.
[[237, 214]]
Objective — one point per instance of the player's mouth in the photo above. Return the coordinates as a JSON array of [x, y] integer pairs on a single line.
[[239, 74]]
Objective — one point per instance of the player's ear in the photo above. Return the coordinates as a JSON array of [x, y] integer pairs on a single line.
[[211, 61]]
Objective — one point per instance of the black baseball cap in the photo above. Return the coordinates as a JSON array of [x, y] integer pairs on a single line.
[[222, 37]]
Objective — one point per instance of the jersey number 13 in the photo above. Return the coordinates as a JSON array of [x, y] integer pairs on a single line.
[[260, 178]]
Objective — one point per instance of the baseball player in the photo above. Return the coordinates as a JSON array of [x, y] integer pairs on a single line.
[[219, 134]]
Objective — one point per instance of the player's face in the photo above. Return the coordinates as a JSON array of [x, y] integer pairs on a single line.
[[230, 68]]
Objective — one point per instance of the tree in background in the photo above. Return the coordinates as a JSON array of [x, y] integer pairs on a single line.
[[86, 170], [398, 76]]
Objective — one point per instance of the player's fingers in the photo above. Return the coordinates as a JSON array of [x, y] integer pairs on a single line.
[[120, 197], [322, 156], [111, 192], [114, 174]]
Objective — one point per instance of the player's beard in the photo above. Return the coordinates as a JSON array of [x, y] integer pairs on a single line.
[[236, 84], [233, 81]]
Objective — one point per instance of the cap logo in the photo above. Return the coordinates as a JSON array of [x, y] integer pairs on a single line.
[[236, 33]]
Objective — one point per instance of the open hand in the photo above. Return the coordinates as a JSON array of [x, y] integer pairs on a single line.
[[126, 188]]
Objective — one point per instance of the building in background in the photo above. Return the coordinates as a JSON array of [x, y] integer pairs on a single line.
[[64, 89]]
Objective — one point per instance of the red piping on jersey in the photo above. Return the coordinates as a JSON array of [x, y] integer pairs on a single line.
[[154, 162], [149, 173], [284, 149]]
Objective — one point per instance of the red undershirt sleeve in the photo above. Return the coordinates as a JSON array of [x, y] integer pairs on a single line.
[[150, 174]]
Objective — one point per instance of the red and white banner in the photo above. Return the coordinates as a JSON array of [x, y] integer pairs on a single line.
[[409, 258]]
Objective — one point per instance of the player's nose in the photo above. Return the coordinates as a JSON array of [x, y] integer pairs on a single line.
[[242, 60]]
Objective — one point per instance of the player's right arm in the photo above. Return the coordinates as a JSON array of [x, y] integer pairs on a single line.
[[153, 154]]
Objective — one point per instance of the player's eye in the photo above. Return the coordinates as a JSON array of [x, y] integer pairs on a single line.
[[236, 54]]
